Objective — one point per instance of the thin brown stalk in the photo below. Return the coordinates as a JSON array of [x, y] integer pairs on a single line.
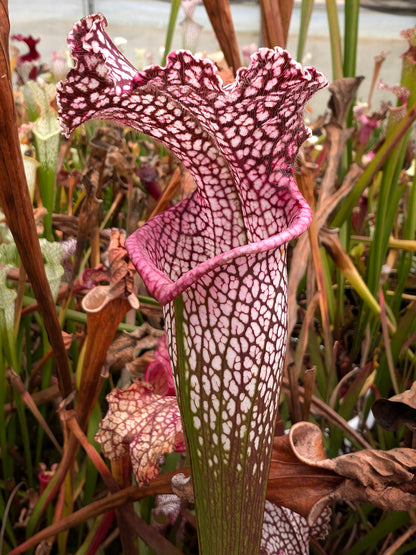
[[305, 180], [322, 409], [400, 541], [70, 419], [294, 402], [159, 544], [122, 472], [219, 14], [378, 62], [17, 206], [168, 193], [39, 398], [95, 257], [125, 514], [344, 380], [387, 346], [30, 403], [114, 208], [310, 374], [275, 21]]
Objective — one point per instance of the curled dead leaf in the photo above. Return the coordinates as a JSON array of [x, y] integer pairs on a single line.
[[106, 306], [121, 269], [293, 481], [126, 349], [399, 410], [343, 92], [383, 478], [182, 487]]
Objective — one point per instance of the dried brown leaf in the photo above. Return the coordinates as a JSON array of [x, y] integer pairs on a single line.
[[304, 480], [127, 346], [294, 483], [384, 478], [399, 410], [343, 92], [121, 268]]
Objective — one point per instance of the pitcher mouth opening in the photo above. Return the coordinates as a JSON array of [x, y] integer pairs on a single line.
[[164, 289]]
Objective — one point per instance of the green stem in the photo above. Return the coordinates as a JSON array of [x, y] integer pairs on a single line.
[[406, 259], [352, 10], [391, 142], [81, 317], [305, 17], [171, 28], [335, 39], [47, 190], [6, 460]]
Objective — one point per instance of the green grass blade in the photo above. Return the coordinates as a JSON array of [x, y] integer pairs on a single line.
[[387, 524], [305, 17], [406, 327], [335, 39], [406, 258], [171, 28], [6, 460], [391, 142], [352, 10]]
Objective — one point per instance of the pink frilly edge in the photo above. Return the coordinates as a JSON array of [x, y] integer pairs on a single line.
[[164, 290], [159, 285]]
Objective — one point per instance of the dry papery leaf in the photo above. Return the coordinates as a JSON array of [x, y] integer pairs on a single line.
[[126, 347], [121, 269], [399, 410], [304, 480], [343, 92]]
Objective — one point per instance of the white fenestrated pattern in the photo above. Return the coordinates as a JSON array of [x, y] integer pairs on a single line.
[[222, 248]]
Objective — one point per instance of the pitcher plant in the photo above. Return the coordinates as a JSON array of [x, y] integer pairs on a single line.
[[217, 260]]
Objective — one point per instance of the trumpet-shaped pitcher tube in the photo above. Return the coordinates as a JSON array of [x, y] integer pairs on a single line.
[[217, 260]]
